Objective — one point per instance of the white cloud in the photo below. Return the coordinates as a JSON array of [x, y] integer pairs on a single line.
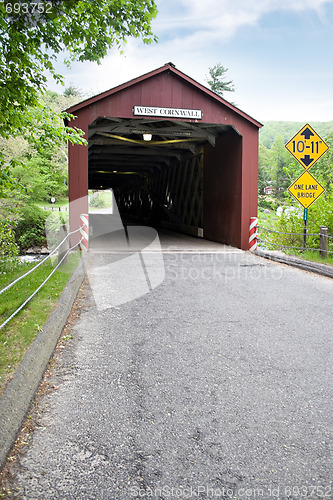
[[220, 19], [188, 29], [195, 34]]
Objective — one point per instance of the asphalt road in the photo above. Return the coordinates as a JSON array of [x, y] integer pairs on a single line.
[[216, 384]]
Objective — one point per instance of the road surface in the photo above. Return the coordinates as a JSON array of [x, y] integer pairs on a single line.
[[216, 384]]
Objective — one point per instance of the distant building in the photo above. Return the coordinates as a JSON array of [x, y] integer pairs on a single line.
[[268, 190]]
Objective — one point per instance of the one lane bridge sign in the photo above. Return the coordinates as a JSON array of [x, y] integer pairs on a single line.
[[306, 189], [307, 146]]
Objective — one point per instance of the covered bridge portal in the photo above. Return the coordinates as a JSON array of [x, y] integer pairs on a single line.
[[198, 171]]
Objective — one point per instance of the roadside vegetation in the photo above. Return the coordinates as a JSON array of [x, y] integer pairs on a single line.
[[34, 136], [37, 177], [278, 210], [25, 205], [19, 333]]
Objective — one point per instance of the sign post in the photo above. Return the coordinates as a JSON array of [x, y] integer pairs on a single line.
[[307, 147], [305, 218]]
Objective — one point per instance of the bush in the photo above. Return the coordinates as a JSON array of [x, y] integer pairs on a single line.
[[265, 202], [97, 201], [53, 226], [291, 221], [30, 229], [321, 212], [9, 250]]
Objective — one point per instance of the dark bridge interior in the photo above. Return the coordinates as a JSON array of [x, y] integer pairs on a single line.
[[158, 181]]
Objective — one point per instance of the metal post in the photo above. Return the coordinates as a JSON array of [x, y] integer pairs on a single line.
[[305, 219], [323, 241], [63, 231]]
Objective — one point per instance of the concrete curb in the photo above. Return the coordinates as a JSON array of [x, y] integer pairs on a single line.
[[15, 401], [306, 265]]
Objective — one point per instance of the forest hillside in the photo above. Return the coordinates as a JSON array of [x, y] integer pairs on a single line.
[[287, 130]]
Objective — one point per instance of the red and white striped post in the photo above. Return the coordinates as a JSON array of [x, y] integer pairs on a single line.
[[253, 234], [84, 230]]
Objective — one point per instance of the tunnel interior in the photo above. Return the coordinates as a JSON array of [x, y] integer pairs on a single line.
[[157, 179]]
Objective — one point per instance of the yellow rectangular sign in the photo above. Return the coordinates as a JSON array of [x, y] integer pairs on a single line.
[[307, 146], [306, 189]]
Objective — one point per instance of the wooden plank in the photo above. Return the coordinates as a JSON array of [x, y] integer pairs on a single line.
[[178, 167], [180, 202], [173, 172], [188, 192], [195, 194]]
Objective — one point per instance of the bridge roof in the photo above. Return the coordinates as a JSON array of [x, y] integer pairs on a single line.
[[167, 68]]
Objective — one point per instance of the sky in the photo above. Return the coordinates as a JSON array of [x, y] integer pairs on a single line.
[[279, 54]]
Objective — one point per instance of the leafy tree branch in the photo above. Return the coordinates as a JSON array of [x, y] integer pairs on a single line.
[[32, 35]]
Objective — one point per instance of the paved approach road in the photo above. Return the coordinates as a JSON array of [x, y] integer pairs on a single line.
[[217, 384]]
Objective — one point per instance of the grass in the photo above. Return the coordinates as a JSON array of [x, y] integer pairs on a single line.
[[313, 256], [60, 202], [100, 199], [104, 197], [267, 221], [19, 333]]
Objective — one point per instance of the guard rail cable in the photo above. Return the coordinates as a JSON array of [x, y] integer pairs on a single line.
[[33, 269], [294, 234], [287, 246], [259, 240]]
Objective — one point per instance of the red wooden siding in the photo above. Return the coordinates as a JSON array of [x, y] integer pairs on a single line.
[[231, 168]]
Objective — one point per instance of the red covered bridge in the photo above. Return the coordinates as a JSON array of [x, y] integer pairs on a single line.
[[198, 171]]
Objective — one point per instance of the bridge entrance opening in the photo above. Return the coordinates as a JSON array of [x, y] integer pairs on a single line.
[[166, 173]]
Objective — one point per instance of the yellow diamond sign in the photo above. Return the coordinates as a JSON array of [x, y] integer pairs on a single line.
[[306, 189], [307, 146]]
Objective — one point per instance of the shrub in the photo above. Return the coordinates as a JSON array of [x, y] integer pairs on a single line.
[[291, 221], [9, 250], [53, 225], [30, 229], [97, 201], [265, 202]]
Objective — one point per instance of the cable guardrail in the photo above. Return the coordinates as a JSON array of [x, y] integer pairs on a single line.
[[292, 234], [45, 281], [283, 246], [287, 246], [39, 263]]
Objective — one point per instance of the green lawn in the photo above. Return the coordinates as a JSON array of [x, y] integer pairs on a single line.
[[60, 202], [18, 334]]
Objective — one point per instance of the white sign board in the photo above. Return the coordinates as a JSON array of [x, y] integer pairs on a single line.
[[192, 114]]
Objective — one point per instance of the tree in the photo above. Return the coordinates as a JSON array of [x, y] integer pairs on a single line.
[[264, 169], [9, 250], [323, 169], [33, 34], [41, 172], [282, 162], [72, 91], [217, 81]]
